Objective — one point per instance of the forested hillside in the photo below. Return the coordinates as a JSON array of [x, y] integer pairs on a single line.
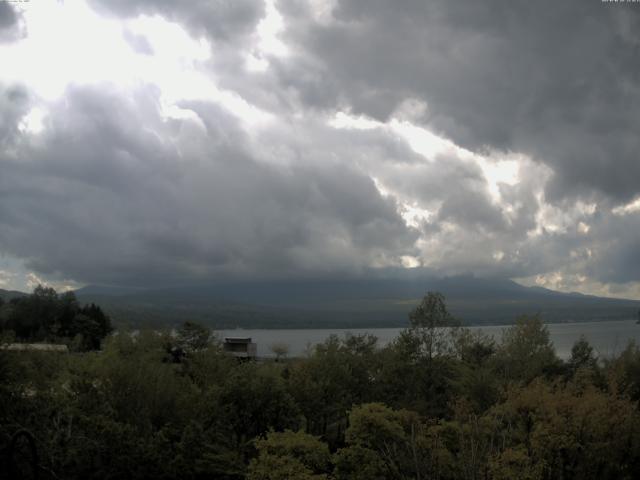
[[373, 301]]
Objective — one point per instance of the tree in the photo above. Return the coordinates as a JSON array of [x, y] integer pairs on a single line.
[[373, 439], [474, 348], [430, 321], [418, 369], [383, 443], [556, 431], [338, 375], [477, 379], [135, 386], [33, 316], [623, 372], [46, 316], [192, 336], [254, 400], [286, 455], [280, 349], [526, 350], [515, 463], [280, 467], [97, 314], [582, 355], [87, 333]]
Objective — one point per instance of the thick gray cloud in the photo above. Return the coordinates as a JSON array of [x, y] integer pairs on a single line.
[[113, 189], [558, 80], [471, 209], [110, 192], [616, 250]]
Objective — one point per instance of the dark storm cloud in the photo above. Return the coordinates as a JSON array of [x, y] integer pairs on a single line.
[[619, 265], [111, 192], [221, 20], [114, 191], [472, 210], [616, 250], [557, 80]]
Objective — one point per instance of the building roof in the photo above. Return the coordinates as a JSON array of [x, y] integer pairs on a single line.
[[43, 347], [237, 339]]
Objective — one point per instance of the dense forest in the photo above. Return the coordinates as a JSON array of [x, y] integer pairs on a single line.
[[46, 316], [436, 403]]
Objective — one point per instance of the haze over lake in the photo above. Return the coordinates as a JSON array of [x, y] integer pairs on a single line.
[[607, 338]]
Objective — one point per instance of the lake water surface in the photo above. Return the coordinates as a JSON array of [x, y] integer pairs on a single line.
[[607, 338]]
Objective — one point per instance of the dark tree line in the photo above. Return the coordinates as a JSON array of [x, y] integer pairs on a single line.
[[46, 316], [439, 402]]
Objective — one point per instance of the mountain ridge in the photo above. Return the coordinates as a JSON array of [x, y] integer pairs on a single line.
[[9, 294], [349, 303]]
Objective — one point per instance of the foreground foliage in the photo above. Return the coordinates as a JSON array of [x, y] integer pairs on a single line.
[[437, 403]]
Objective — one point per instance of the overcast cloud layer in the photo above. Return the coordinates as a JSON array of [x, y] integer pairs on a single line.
[[158, 142]]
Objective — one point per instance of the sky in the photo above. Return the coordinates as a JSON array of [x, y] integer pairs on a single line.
[[155, 142]]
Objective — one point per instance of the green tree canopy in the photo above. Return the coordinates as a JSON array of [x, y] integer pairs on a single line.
[[287, 455], [431, 322], [526, 351]]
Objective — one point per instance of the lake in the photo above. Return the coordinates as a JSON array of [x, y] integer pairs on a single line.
[[607, 338]]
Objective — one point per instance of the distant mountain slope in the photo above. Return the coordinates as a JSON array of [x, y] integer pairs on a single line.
[[371, 302], [9, 294]]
